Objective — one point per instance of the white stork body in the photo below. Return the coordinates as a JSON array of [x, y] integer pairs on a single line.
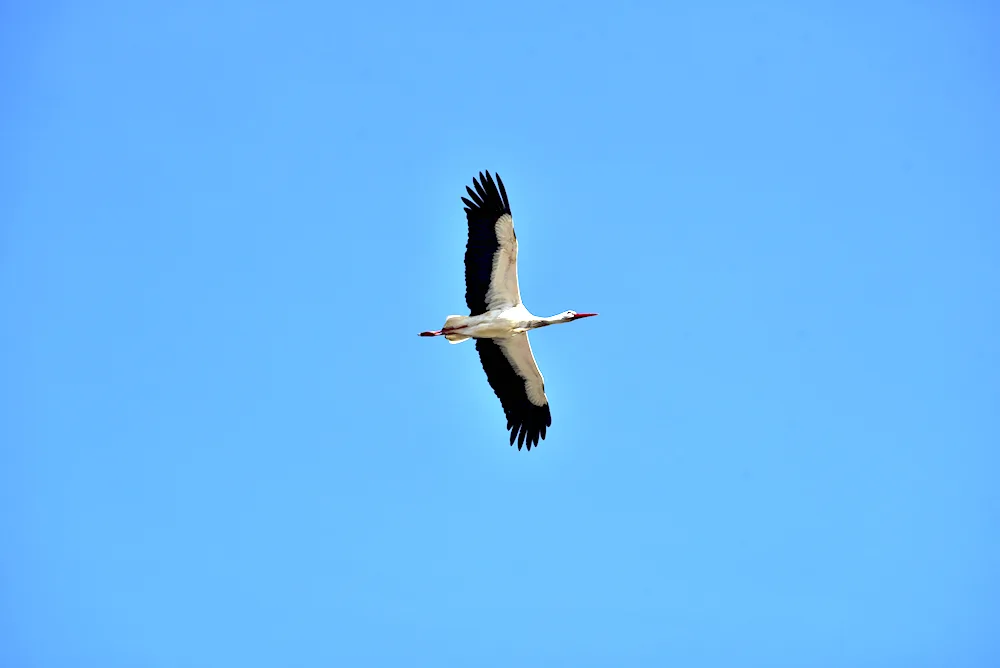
[[498, 320], [501, 323]]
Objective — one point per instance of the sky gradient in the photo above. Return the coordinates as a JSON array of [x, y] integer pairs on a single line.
[[223, 224]]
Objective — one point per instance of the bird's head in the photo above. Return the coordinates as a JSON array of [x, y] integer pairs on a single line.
[[570, 316]]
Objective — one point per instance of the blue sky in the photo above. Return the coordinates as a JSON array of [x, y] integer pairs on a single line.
[[223, 225]]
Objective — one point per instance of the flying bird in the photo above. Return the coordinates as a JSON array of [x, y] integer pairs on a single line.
[[497, 319]]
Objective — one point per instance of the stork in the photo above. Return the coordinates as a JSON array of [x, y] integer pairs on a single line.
[[497, 319]]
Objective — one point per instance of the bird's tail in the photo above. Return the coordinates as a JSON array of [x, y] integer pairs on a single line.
[[454, 322]]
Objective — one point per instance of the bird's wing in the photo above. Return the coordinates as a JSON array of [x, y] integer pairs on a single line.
[[511, 370], [491, 252]]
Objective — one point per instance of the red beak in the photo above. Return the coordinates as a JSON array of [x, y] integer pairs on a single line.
[[583, 315]]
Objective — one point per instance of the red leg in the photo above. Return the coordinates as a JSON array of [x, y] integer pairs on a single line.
[[440, 332]]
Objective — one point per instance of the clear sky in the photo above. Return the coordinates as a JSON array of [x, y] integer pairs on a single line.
[[223, 444]]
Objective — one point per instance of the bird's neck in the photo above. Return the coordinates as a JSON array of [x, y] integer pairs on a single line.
[[537, 322]]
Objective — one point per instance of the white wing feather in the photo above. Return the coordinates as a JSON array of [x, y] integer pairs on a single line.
[[504, 292], [517, 350]]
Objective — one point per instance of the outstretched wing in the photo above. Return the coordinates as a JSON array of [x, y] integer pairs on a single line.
[[511, 370], [491, 252]]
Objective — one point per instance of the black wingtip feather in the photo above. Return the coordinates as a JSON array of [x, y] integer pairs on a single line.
[[503, 193], [475, 196], [479, 188]]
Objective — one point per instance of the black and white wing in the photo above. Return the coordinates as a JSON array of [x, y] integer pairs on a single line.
[[511, 370], [491, 253]]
